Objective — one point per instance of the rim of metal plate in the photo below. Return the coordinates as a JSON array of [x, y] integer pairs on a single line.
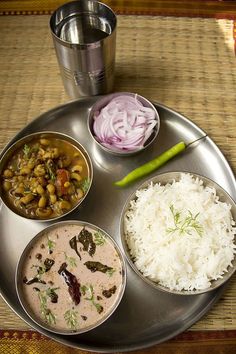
[[100, 347]]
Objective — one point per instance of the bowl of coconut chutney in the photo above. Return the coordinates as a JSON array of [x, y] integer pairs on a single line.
[[70, 277]]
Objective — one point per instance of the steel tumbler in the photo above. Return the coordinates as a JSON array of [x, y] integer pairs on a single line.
[[84, 36]]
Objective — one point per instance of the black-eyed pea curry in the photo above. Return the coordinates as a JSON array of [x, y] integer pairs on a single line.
[[45, 178]]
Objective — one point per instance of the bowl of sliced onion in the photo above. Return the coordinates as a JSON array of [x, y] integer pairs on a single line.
[[123, 123]]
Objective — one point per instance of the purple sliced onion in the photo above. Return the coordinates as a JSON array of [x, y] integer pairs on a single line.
[[124, 124]]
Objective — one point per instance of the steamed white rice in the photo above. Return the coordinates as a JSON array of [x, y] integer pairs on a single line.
[[168, 250]]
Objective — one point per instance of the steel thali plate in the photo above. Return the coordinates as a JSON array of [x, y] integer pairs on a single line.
[[145, 315]]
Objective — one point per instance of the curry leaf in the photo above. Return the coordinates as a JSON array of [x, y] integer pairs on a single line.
[[86, 238]]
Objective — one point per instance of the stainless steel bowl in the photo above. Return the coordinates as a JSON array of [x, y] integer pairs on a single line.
[[102, 102], [77, 269], [27, 139], [163, 179]]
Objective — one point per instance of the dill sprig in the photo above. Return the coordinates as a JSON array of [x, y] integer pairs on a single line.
[[47, 314], [41, 269], [70, 317], [51, 245], [89, 293], [110, 272], [51, 293], [85, 185], [70, 260], [185, 225], [51, 172], [26, 150], [99, 238]]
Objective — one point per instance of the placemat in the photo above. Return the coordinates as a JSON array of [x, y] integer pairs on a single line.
[[194, 8], [187, 64], [215, 342]]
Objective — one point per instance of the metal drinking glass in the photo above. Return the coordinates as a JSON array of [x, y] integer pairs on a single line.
[[84, 37]]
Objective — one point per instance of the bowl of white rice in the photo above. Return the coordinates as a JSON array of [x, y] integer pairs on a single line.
[[178, 232]]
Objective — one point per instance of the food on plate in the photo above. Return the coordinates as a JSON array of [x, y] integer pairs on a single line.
[[45, 178], [179, 234], [152, 165], [124, 124], [72, 277]]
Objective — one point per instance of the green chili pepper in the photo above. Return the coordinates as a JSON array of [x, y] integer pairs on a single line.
[[151, 165], [155, 163]]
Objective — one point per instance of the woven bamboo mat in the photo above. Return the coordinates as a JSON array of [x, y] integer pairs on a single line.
[[186, 64], [190, 8]]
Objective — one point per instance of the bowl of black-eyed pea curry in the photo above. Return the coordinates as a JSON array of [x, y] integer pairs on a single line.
[[45, 175]]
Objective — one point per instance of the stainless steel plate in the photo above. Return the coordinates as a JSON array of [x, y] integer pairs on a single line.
[[145, 315]]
